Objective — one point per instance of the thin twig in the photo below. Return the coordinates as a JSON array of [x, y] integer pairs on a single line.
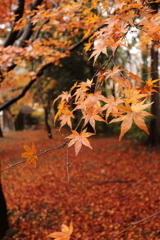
[[104, 65], [67, 166], [133, 224], [44, 152]]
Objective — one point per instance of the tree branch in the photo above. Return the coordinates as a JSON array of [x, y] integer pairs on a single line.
[[83, 40], [40, 72], [29, 27], [26, 88], [11, 38], [133, 224], [39, 29], [46, 151]]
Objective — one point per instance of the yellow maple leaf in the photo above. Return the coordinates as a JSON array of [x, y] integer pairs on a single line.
[[88, 46], [132, 95], [64, 234], [62, 108], [30, 154]]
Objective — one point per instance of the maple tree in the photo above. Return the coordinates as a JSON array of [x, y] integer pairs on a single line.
[[44, 33]]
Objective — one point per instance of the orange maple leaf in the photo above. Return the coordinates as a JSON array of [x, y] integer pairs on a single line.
[[111, 105], [79, 139], [97, 50], [112, 73], [122, 83], [66, 118], [30, 154], [65, 96], [133, 76], [134, 113], [64, 234], [91, 118], [150, 85]]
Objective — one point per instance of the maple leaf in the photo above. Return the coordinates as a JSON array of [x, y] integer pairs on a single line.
[[151, 82], [30, 154], [79, 139], [129, 17], [62, 108], [86, 85], [111, 105], [97, 50], [150, 85], [66, 118], [133, 95], [64, 234], [83, 87], [91, 108], [88, 46], [91, 118], [111, 73], [134, 76], [73, 87], [103, 42], [64, 96], [94, 97], [115, 44], [133, 113], [122, 83]]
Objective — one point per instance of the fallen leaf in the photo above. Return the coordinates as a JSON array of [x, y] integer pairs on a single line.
[[64, 234]]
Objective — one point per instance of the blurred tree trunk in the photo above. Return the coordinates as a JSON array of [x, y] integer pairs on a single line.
[[46, 112], [154, 137], [3, 214], [1, 133]]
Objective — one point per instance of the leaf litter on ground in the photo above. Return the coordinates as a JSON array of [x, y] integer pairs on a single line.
[[111, 186]]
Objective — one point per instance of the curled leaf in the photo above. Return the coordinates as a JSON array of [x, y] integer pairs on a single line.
[[64, 234]]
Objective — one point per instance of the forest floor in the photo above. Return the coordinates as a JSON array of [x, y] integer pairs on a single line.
[[110, 187]]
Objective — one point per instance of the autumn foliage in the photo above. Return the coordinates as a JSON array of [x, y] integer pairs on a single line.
[[43, 33]]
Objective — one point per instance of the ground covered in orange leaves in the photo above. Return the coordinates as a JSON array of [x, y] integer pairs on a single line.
[[110, 187]]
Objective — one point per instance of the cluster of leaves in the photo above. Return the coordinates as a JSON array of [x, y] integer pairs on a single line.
[[94, 106], [130, 105]]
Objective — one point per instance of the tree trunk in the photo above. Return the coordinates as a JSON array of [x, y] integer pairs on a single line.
[[46, 112], [3, 214], [1, 133], [154, 137]]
